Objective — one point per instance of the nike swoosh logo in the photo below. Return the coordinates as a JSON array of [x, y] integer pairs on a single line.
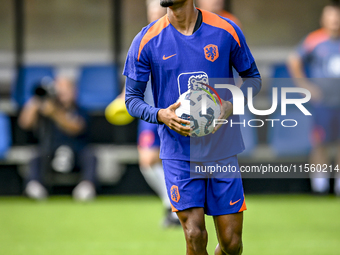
[[232, 203], [165, 58]]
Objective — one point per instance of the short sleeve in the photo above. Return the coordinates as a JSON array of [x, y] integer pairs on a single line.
[[302, 50], [241, 56], [307, 46], [137, 65]]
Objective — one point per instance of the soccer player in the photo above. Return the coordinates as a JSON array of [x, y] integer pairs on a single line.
[[184, 45], [217, 6], [319, 53]]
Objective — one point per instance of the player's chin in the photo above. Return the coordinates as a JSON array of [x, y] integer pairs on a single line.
[[167, 3]]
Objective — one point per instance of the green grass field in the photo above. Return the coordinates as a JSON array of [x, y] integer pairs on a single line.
[[273, 224]]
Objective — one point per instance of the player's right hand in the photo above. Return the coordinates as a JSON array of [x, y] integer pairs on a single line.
[[169, 118]]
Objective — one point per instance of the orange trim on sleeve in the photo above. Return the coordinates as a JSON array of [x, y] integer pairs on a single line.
[[153, 31], [243, 207], [230, 16], [315, 38], [173, 208], [216, 21]]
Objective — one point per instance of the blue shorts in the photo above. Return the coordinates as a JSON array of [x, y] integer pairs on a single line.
[[218, 196], [147, 135], [326, 125]]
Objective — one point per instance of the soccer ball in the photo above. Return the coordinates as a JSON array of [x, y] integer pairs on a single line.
[[191, 109]]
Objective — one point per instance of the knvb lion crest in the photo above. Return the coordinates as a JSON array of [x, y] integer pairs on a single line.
[[195, 81], [192, 80], [175, 196], [211, 52]]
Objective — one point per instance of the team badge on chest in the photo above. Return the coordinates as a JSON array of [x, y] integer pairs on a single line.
[[211, 52]]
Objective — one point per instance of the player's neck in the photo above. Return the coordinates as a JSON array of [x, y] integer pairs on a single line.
[[334, 34], [183, 18]]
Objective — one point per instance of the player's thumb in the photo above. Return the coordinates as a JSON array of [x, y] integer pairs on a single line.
[[174, 106], [216, 98]]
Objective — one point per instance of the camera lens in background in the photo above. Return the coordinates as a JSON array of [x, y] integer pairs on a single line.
[[44, 88], [40, 91]]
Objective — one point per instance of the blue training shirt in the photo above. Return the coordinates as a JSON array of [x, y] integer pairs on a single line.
[[321, 56], [178, 62]]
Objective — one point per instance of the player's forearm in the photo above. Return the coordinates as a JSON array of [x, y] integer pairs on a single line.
[[134, 101], [295, 66], [139, 109], [251, 79], [254, 83], [73, 125]]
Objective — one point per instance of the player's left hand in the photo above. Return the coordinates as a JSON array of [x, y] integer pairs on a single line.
[[226, 111]]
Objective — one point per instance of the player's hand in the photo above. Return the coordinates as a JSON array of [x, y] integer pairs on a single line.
[[47, 108], [226, 111], [169, 118], [316, 94]]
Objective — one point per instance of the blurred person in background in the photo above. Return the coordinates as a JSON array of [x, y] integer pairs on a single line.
[[319, 53], [61, 128], [149, 142], [217, 6]]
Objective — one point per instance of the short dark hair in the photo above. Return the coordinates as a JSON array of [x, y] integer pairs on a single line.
[[334, 3]]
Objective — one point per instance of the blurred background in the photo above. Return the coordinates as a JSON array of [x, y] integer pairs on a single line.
[[87, 41]]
